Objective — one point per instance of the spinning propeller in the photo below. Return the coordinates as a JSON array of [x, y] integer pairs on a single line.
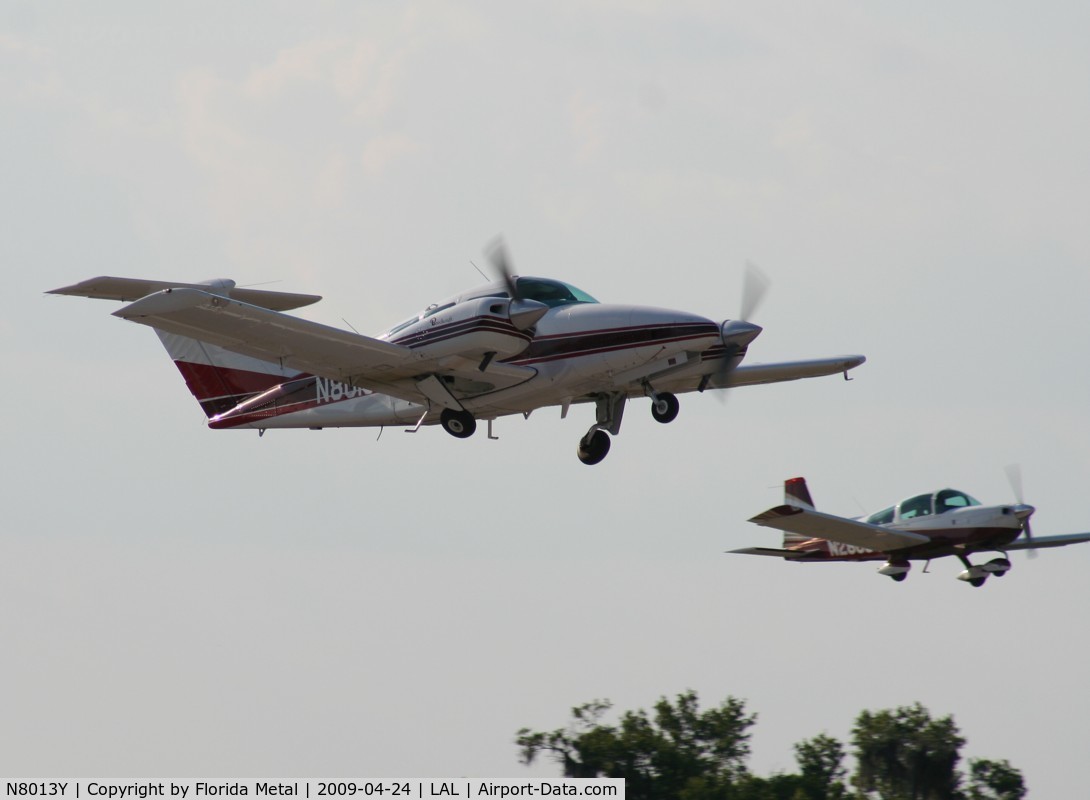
[[1022, 510], [523, 313], [738, 333]]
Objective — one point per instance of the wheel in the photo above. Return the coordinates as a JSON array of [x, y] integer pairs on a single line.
[[664, 407], [593, 449], [900, 576], [459, 424], [977, 582], [999, 566]]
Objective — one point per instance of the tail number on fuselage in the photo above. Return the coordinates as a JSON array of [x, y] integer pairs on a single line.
[[839, 549], [330, 391]]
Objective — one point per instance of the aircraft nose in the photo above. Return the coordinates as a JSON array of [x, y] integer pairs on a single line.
[[739, 332], [1023, 511]]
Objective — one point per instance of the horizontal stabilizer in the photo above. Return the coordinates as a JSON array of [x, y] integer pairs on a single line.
[[129, 289], [306, 346], [770, 551], [1041, 542], [818, 525], [265, 334]]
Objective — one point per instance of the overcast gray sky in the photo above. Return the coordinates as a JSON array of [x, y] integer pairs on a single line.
[[177, 602]]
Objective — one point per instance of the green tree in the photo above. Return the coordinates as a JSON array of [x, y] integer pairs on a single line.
[[678, 751], [904, 754], [994, 780], [821, 766]]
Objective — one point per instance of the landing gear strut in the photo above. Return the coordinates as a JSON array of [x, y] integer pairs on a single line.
[[609, 409], [460, 424]]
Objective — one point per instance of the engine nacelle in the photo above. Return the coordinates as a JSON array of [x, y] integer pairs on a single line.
[[471, 329]]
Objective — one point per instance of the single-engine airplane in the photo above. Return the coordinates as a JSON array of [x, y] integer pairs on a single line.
[[925, 526], [509, 347]]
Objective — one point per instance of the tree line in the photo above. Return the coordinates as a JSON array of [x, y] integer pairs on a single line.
[[679, 752]]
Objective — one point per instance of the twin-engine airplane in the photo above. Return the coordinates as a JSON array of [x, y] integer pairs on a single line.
[[509, 347], [923, 527]]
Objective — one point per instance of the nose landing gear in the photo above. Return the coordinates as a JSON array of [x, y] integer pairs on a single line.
[[664, 407], [976, 575]]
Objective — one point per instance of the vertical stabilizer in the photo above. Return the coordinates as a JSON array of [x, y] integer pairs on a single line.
[[796, 494]]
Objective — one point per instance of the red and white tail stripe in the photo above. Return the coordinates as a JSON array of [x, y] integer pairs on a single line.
[[219, 379]]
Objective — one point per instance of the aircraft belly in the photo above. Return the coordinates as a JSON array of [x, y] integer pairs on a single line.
[[359, 409]]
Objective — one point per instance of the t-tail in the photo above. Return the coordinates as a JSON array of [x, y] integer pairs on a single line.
[[219, 379]]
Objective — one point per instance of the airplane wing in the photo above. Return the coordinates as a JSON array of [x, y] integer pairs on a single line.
[[310, 346], [106, 287], [1040, 542], [816, 525], [752, 374]]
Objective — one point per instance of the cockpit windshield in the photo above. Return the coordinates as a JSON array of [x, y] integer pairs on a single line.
[[938, 503], [552, 293]]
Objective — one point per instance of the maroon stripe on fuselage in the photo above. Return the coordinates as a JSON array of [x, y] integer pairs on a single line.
[[585, 343], [299, 394], [944, 542], [450, 330], [219, 389], [207, 382]]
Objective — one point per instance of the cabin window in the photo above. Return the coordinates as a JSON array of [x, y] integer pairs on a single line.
[[949, 499], [919, 506], [435, 309], [883, 517]]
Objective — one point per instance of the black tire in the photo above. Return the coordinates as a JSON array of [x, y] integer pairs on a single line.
[[977, 582], [459, 424], [900, 576], [594, 449], [664, 407]]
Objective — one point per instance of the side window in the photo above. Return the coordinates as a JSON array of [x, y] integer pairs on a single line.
[[948, 499], [919, 506], [883, 517]]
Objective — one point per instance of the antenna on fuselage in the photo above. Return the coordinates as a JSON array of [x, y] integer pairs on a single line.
[[480, 271]]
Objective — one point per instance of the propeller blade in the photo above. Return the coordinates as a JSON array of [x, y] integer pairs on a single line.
[[738, 333], [501, 265], [1014, 478], [754, 287]]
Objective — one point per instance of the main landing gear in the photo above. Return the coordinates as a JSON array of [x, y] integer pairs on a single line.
[[460, 424], [609, 408], [975, 576]]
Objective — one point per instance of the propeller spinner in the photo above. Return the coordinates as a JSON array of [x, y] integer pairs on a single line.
[[523, 313], [738, 333], [1023, 510]]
